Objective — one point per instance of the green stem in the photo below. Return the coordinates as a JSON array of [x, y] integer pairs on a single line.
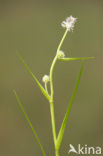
[[53, 120], [57, 153], [51, 76], [62, 40], [52, 91], [52, 101], [46, 88]]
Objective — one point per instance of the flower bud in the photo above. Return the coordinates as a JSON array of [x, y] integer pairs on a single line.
[[60, 54], [45, 78]]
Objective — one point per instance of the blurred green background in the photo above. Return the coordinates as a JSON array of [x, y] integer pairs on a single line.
[[33, 28]]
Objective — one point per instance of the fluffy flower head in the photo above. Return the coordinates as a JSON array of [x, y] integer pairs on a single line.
[[69, 23]]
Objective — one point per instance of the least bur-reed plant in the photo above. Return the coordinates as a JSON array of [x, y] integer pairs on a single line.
[[68, 24]]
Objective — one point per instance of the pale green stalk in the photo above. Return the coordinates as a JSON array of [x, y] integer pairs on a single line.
[[57, 153], [52, 101], [52, 91], [46, 89], [62, 40]]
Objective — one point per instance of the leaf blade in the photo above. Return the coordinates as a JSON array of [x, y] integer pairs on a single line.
[[29, 122], [33, 76], [63, 126], [74, 59]]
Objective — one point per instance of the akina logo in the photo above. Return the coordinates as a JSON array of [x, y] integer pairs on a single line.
[[85, 150]]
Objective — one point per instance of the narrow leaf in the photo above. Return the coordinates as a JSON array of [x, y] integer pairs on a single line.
[[62, 129], [38, 83], [29, 122], [73, 59]]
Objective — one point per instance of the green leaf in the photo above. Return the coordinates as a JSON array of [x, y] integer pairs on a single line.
[[73, 59], [62, 129], [38, 83], [29, 122]]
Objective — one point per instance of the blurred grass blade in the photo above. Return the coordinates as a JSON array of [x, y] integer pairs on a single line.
[[33, 76], [73, 59], [29, 122], [62, 129]]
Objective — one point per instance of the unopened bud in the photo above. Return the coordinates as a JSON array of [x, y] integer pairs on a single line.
[[60, 54], [45, 78]]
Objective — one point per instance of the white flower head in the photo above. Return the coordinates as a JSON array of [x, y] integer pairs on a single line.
[[69, 23], [45, 78], [60, 54]]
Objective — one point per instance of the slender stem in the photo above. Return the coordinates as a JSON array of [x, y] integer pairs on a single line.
[[51, 76], [62, 40], [52, 92], [46, 87], [52, 101], [57, 153], [53, 121]]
